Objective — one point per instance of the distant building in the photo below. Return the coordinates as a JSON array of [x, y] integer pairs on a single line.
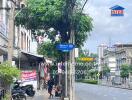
[[110, 60], [100, 51], [116, 56], [123, 54]]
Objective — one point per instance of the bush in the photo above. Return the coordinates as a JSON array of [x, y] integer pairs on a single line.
[[7, 96], [8, 73], [88, 81]]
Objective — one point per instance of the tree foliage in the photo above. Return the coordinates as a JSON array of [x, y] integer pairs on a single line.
[[106, 70], [124, 71], [130, 69], [8, 73], [93, 73], [49, 50], [46, 14]]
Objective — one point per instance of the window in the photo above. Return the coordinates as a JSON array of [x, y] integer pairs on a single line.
[[22, 40], [27, 44]]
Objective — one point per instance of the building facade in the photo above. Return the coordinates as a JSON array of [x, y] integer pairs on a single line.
[[25, 51], [116, 56], [110, 60], [123, 54], [4, 19], [22, 40], [100, 51]]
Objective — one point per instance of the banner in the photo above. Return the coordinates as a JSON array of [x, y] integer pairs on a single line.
[[28, 75]]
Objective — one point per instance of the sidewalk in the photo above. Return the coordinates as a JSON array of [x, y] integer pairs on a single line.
[[109, 84], [42, 95]]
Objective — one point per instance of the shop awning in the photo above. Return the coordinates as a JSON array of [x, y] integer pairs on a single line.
[[31, 57]]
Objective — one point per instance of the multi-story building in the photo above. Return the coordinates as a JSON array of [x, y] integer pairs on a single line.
[[116, 56], [22, 37], [4, 19], [25, 51], [110, 60], [100, 51], [123, 54]]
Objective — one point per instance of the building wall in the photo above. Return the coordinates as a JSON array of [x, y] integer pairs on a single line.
[[112, 65], [22, 38], [122, 55], [101, 49], [3, 30]]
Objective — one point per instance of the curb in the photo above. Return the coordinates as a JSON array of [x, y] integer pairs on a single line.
[[116, 87]]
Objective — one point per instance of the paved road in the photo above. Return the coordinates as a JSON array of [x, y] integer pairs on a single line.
[[95, 92]]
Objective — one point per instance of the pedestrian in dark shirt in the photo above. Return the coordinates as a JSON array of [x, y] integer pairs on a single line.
[[50, 87]]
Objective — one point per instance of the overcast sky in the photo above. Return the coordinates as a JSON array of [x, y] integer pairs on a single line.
[[119, 29]]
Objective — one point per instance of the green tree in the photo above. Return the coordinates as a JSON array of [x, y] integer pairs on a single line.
[[46, 14], [93, 73], [48, 49], [124, 71], [106, 70], [94, 55], [130, 69], [7, 74]]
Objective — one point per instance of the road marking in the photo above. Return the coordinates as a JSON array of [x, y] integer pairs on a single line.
[[114, 98], [105, 95], [124, 93]]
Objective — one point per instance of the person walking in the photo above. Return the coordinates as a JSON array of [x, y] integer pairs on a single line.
[[50, 86]]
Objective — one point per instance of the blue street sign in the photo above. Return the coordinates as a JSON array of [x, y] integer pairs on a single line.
[[65, 47]]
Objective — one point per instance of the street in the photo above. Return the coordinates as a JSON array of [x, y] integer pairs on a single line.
[[97, 92]]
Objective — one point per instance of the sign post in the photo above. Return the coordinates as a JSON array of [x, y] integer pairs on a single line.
[[65, 47], [98, 77]]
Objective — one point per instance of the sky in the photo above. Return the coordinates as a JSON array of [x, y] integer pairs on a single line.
[[107, 29]]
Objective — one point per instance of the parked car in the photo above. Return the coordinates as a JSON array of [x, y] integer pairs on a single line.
[[116, 81], [130, 82]]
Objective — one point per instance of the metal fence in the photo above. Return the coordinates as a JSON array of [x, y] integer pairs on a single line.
[[2, 93]]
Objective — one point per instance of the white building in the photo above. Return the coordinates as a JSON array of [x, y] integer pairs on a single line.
[[100, 51], [110, 60], [25, 51]]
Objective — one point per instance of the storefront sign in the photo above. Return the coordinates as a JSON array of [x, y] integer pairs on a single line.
[[117, 11], [28, 75]]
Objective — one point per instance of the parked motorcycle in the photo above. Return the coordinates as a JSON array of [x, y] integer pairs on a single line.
[[29, 90], [18, 94]]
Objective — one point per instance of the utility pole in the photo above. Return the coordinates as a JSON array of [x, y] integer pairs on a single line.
[[72, 67], [11, 32], [66, 75]]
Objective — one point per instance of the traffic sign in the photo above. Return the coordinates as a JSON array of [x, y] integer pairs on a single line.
[[89, 59], [65, 47], [98, 74]]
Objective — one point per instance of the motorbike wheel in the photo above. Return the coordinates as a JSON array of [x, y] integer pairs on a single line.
[[23, 98], [18, 97], [30, 93]]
